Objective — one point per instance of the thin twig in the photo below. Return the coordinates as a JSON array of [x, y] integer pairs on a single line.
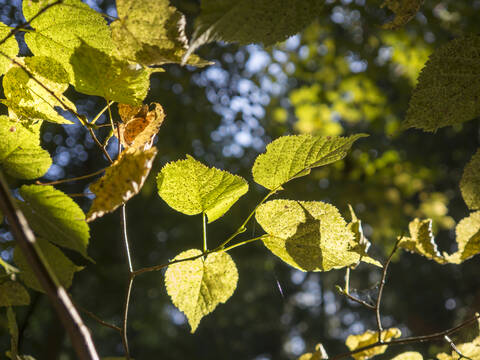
[[61, 181], [97, 319], [357, 300], [454, 348], [410, 340]]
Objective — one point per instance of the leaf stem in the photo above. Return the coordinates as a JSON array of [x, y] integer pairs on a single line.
[[205, 247], [101, 112], [243, 243], [61, 181]]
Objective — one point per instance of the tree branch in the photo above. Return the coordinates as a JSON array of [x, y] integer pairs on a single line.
[[71, 320]]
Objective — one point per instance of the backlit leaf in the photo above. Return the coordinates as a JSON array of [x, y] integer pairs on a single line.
[[252, 21], [290, 157], [9, 48], [405, 10], [470, 182], [122, 181], [12, 293], [28, 99], [468, 239], [55, 217], [62, 267], [422, 241], [319, 354], [308, 235], [63, 27], [409, 355], [370, 337], [151, 32], [140, 125], [192, 188], [97, 73], [198, 286], [469, 350], [448, 86], [21, 155]]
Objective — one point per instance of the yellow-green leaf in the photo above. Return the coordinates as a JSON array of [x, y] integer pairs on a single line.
[[468, 239], [409, 355], [98, 73], [21, 155], [12, 293], [422, 241], [122, 180], [308, 235], [470, 182], [469, 350], [290, 157], [63, 27], [252, 21], [62, 267], [198, 286], [192, 188], [151, 32], [28, 99], [55, 217], [370, 337], [9, 48], [405, 10], [319, 354], [448, 86]]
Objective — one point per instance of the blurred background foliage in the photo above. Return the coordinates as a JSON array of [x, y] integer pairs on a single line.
[[343, 74]]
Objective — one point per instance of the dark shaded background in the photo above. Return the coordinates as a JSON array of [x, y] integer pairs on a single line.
[[342, 75]]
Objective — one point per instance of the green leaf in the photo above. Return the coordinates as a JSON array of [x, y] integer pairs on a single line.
[[55, 216], [448, 87], [122, 181], [468, 239], [151, 32], [405, 10], [198, 286], [370, 337], [62, 267], [290, 157], [9, 48], [308, 235], [13, 329], [470, 182], [21, 155], [12, 293], [192, 188], [28, 99], [63, 27], [422, 241], [97, 73], [252, 21], [409, 355]]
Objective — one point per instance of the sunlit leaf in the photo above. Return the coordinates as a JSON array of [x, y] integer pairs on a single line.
[[405, 10], [290, 157], [97, 73], [308, 235], [9, 48], [151, 32], [362, 243], [422, 241], [470, 182], [198, 286], [192, 188], [470, 350], [468, 239], [140, 125], [63, 27], [409, 355], [448, 86], [252, 21], [122, 180], [62, 267], [370, 337], [55, 217], [12, 293], [21, 155], [319, 354], [31, 101]]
